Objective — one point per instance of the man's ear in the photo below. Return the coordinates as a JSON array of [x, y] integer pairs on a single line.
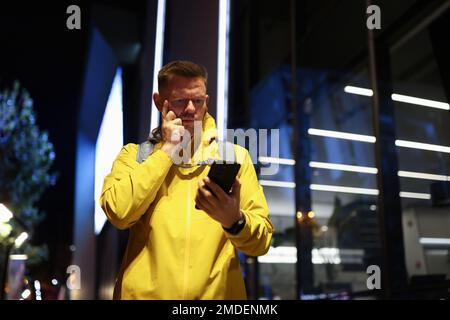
[[157, 100], [207, 102]]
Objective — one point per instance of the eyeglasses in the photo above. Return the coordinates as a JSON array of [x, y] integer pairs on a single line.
[[183, 103]]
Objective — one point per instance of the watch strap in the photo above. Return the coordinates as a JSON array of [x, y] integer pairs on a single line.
[[237, 226]]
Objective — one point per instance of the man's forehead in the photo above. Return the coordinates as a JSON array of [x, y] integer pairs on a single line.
[[182, 84]]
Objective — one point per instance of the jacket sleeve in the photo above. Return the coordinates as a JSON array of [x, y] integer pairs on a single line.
[[131, 187], [254, 239]]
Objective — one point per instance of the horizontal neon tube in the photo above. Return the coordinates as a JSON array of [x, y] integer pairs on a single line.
[[375, 192], [280, 254], [421, 175], [420, 101], [372, 139], [400, 98], [445, 241], [421, 146], [18, 257], [323, 187], [359, 91], [290, 162], [341, 135], [372, 170], [415, 195], [273, 183], [342, 167]]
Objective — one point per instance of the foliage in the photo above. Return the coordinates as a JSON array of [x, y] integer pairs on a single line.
[[26, 157]]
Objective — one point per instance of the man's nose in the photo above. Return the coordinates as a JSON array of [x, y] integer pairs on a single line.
[[190, 107]]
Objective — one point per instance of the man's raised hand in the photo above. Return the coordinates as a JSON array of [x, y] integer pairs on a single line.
[[172, 130]]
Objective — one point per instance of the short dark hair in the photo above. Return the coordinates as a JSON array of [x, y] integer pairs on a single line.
[[182, 68]]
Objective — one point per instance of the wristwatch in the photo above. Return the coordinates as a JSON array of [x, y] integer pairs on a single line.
[[237, 226]]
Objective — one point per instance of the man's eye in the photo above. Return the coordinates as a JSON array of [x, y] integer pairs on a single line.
[[178, 102]]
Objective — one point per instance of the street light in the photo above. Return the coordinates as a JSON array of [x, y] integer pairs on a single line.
[[5, 216], [20, 239]]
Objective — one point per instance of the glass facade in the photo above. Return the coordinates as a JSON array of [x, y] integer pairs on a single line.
[[324, 199], [426, 223]]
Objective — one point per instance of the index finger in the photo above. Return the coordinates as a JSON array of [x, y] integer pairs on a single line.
[[218, 191], [165, 108], [171, 116]]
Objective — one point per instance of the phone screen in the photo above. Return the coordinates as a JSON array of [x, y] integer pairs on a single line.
[[224, 174]]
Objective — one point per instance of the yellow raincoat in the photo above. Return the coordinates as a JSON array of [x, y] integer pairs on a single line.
[[175, 251]]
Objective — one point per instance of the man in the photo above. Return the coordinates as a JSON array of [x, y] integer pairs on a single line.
[[176, 251]]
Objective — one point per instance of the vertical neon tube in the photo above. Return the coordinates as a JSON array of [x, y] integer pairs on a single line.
[[222, 68], [159, 52]]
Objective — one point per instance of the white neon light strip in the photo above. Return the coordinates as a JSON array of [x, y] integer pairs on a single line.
[[21, 239], [274, 259], [280, 254], [158, 61], [372, 139], [441, 241], [26, 293], [341, 135], [415, 195], [222, 68], [342, 189], [324, 187], [351, 168], [372, 170], [108, 145], [421, 175], [359, 91], [289, 162], [421, 146], [374, 192], [5, 213], [437, 252], [342, 167], [288, 254], [18, 257], [420, 101], [281, 184], [400, 98]]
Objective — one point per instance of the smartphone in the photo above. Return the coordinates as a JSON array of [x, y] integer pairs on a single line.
[[224, 174]]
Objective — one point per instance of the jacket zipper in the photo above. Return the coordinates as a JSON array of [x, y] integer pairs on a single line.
[[188, 243]]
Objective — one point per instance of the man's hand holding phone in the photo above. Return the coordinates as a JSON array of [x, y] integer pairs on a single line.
[[222, 207]]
